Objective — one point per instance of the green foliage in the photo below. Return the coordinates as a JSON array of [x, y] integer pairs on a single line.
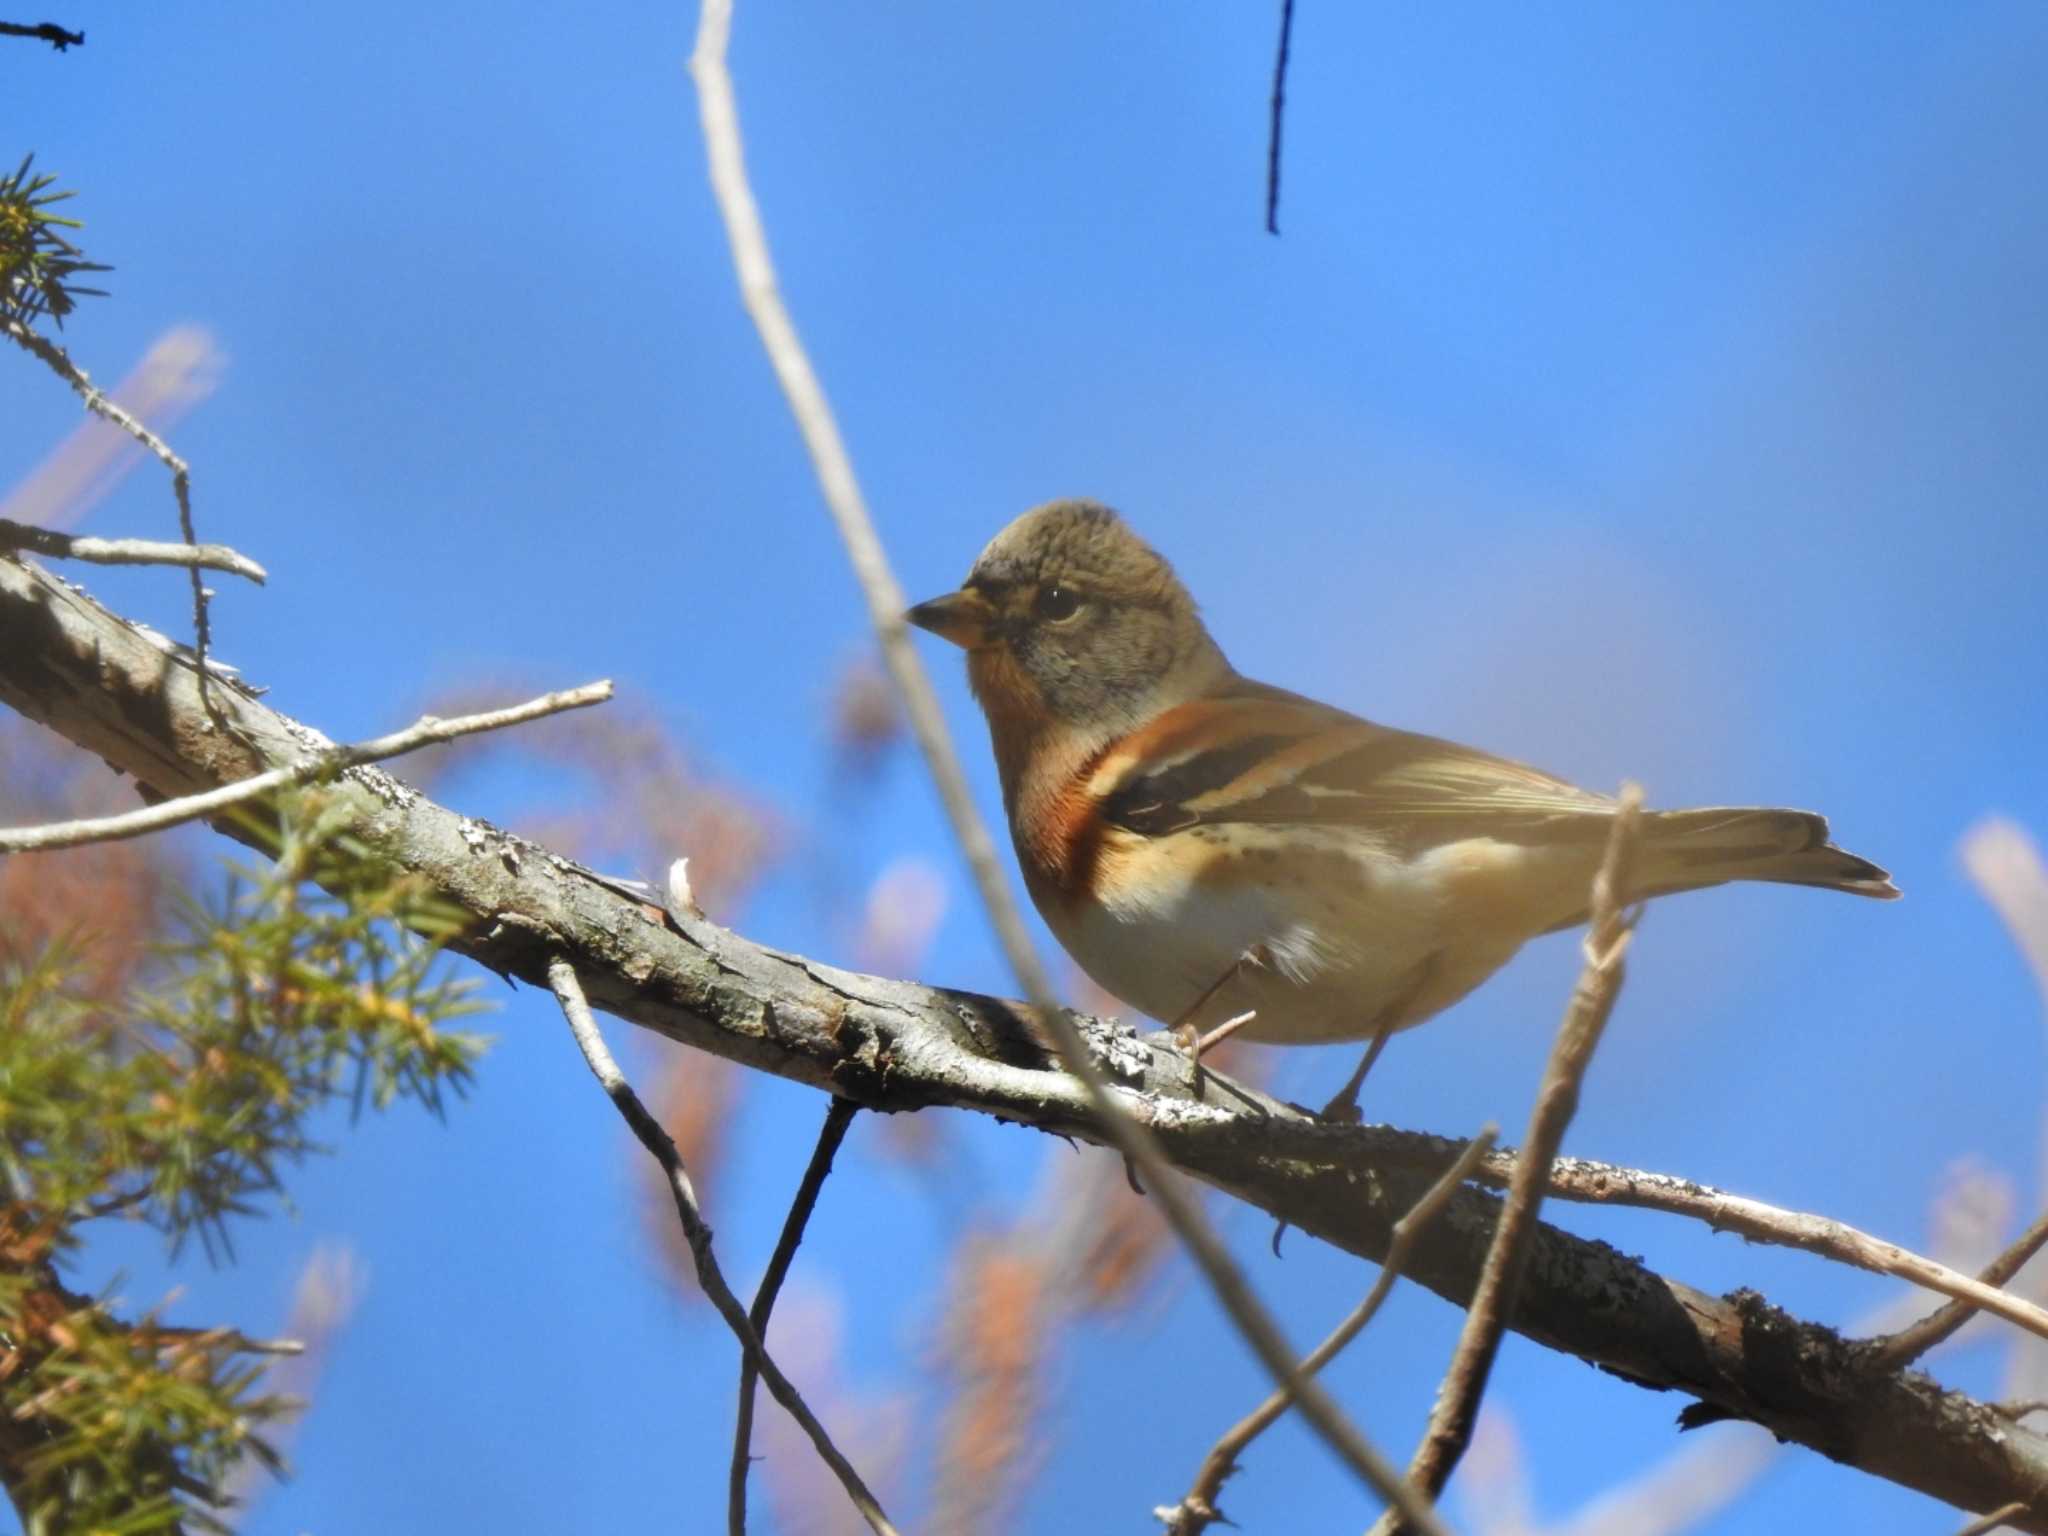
[[37, 262], [313, 979]]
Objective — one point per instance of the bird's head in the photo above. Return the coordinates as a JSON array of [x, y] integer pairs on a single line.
[[1068, 618]]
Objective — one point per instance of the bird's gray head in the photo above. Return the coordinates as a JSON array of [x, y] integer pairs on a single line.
[[1069, 615]]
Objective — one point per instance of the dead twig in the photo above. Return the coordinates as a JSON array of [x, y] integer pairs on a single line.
[[1279, 112], [103, 405], [1557, 1099], [1910, 1343], [839, 1115], [1197, 1509], [1587, 1181], [1594, 1183], [597, 1055], [719, 114], [426, 731], [44, 32], [64, 546]]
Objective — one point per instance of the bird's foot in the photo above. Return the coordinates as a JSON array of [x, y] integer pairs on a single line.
[[1343, 1106], [1194, 1044]]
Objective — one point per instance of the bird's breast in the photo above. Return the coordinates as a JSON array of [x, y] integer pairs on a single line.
[[1336, 924]]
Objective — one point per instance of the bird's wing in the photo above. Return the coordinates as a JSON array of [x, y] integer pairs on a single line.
[[1252, 753]]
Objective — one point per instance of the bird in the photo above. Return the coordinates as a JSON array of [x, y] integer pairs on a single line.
[[1207, 847]]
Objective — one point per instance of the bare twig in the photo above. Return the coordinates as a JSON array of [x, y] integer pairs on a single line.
[[839, 1115], [424, 732], [103, 405], [1991, 1522], [1279, 114], [64, 546], [597, 1055], [1557, 1099], [1587, 1182], [1197, 1510], [1910, 1343], [719, 114], [43, 32]]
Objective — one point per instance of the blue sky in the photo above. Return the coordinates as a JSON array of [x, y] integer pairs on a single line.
[[1641, 391]]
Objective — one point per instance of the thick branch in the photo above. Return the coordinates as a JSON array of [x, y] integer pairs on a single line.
[[112, 689]]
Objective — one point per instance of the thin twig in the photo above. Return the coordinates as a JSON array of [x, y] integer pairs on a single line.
[[719, 114], [839, 1115], [1910, 1343], [1585, 1181], [64, 546], [597, 1055], [1991, 1522], [43, 32], [424, 732], [1557, 1099], [1279, 113], [1197, 1510], [103, 405]]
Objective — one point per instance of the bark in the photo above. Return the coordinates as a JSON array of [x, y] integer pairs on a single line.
[[129, 696]]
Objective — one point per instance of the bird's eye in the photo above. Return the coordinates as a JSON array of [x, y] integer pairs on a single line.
[[1055, 605]]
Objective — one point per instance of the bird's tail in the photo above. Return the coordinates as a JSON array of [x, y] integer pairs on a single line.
[[1683, 850]]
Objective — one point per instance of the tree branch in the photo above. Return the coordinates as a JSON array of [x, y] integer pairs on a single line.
[[1911, 1342], [1586, 1181], [1557, 1100], [1278, 115], [839, 1115], [1197, 1509], [44, 32], [598, 1057], [105, 406], [113, 690], [427, 731], [65, 546]]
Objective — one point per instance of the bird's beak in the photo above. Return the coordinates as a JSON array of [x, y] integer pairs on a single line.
[[962, 617]]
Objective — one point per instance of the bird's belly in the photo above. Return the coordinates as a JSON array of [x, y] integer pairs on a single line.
[[1347, 939]]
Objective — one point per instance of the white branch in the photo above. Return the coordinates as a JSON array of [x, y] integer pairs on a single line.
[[65, 546], [424, 732], [1821, 1235]]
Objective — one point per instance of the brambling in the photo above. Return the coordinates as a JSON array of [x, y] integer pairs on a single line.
[[1208, 847]]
